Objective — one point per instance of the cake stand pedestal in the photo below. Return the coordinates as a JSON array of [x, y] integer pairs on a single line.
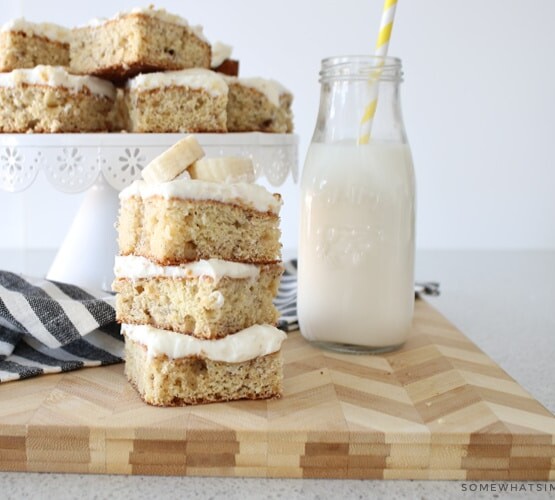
[[86, 256], [102, 165]]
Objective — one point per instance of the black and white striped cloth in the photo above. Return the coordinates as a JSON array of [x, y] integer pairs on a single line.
[[50, 327], [286, 299]]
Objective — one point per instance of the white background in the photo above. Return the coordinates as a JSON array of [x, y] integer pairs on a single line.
[[478, 100]]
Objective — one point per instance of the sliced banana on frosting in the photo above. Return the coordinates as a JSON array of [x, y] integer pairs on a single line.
[[224, 169], [173, 162]]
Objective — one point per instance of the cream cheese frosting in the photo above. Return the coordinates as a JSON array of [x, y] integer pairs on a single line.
[[136, 267], [241, 193], [196, 78], [45, 30], [270, 88], [161, 14], [250, 343], [57, 76], [220, 52]]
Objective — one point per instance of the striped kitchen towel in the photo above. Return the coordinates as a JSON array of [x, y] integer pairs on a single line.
[[286, 300], [50, 327]]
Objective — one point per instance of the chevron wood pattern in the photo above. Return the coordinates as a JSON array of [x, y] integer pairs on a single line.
[[439, 408]]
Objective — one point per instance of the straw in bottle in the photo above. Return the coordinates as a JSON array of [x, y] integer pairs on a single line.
[[384, 35]]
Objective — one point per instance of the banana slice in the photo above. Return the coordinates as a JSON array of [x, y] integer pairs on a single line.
[[225, 169], [173, 162]]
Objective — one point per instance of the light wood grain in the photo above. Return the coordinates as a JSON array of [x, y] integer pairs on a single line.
[[437, 409]]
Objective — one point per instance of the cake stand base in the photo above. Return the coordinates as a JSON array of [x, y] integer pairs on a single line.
[[86, 256]]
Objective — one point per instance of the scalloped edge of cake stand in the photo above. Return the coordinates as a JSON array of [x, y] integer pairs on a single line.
[[73, 163]]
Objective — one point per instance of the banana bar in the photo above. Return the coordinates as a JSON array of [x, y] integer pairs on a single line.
[[206, 299], [191, 100], [258, 104], [24, 44], [49, 99], [139, 41]]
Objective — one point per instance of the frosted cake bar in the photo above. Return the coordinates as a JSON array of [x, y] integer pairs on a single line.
[[191, 100], [206, 299], [258, 104], [24, 44], [138, 41], [187, 220], [172, 369], [49, 99]]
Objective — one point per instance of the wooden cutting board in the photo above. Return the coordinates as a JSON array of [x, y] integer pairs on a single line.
[[439, 408]]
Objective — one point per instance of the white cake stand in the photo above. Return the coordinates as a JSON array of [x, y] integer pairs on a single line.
[[102, 165]]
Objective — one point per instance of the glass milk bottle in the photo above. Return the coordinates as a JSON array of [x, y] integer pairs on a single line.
[[356, 246]]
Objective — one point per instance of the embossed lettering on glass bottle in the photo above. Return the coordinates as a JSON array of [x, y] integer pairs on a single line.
[[356, 247]]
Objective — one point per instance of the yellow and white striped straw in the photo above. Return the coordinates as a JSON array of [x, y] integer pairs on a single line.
[[386, 26]]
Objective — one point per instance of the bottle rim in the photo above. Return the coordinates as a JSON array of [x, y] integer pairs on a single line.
[[361, 67]]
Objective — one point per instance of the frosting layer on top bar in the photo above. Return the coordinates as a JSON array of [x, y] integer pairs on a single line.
[[46, 30], [161, 14], [220, 52], [196, 78], [57, 76], [242, 194]]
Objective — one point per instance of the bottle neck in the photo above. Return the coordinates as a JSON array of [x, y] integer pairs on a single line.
[[348, 86]]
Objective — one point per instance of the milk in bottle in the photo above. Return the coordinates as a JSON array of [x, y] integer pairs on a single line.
[[356, 246]]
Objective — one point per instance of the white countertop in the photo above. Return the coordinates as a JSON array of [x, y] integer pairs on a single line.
[[503, 301]]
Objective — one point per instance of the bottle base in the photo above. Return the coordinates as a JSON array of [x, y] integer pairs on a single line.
[[354, 349]]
